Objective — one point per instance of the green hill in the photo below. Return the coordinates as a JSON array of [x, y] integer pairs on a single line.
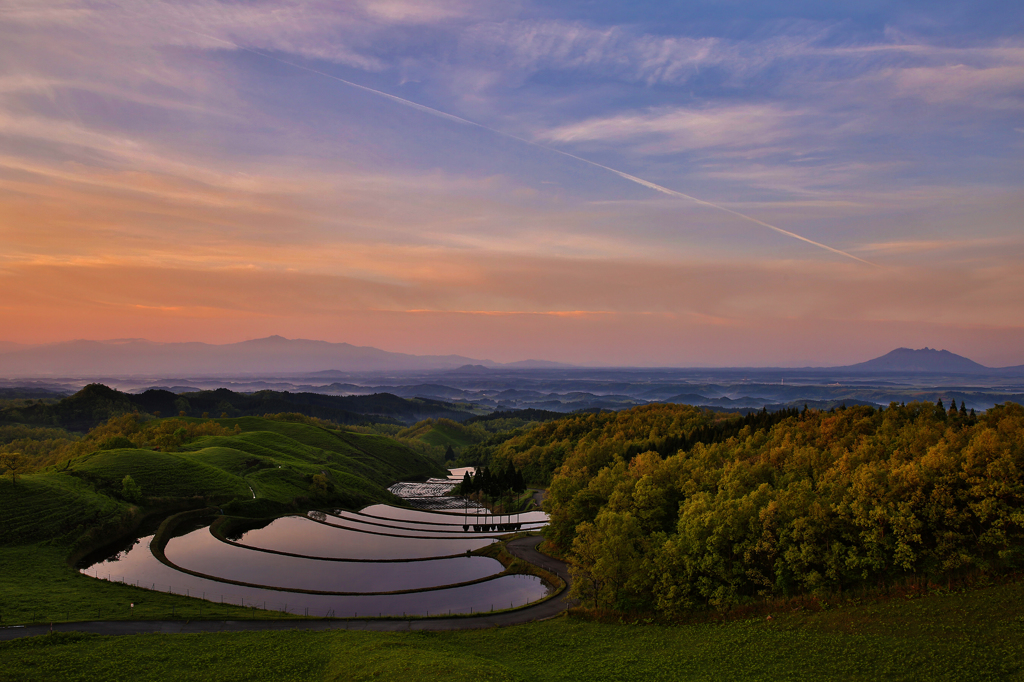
[[161, 474], [45, 506], [444, 432], [260, 467]]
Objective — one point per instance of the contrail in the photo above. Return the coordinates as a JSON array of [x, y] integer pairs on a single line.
[[458, 119]]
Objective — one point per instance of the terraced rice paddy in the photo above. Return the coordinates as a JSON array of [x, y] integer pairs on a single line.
[[348, 564], [383, 511], [449, 532], [300, 535]]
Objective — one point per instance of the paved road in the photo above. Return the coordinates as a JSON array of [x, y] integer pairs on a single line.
[[538, 497], [524, 548]]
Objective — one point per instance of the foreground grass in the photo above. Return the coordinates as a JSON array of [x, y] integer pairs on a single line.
[[977, 635], [37, 586]]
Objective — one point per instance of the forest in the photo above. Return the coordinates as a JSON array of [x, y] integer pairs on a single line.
[[668, 508]]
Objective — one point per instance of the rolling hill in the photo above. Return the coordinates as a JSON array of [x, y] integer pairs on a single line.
[[96, 403], [262, 467]]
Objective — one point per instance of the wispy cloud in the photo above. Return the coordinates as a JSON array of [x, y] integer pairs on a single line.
[[671, 130], [619, 51]]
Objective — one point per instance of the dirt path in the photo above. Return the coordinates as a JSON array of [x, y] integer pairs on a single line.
[[524, 548]]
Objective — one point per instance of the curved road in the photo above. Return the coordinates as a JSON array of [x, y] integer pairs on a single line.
[[524, 548]]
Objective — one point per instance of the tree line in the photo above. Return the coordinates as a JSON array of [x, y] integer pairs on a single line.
[[496, 484], [811, 502]]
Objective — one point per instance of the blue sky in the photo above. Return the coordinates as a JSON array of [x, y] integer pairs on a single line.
[[201, 171]]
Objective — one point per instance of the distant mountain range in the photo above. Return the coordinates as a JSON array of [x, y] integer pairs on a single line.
[[276, 355], [272, 355]]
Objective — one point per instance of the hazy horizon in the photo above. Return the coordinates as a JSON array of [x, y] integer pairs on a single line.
[[709, 185], [283, 348]]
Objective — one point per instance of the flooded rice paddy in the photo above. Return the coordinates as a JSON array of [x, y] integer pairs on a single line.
[[335, 564], [304, 536], [201, 552]]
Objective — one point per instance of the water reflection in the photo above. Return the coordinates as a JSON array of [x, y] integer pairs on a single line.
[[200, 551], [138, 566], [391, 526], [387, 512], [377, 528], [332, 559], [299, 535]]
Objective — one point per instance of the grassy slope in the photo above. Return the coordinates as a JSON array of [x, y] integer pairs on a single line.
[[442, 433], [977, 635], [160, 474], [276, 459], [50, 506]]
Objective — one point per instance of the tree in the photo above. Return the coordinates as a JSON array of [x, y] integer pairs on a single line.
[[321, 485], [13, 463], [130, 490], [449, 454], [466, 489], [116, 443], [607, 554]]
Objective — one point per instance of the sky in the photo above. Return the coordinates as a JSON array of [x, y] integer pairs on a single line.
[[711, 183]]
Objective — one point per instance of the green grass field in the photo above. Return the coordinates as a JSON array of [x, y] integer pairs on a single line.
[[977, 635]]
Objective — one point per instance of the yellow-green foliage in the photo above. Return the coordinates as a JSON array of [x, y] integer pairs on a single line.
[[47, 446], [36, 443], [593, 439], [821, 502]]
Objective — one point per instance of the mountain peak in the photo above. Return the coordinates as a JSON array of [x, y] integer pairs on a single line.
[[922, 360]]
